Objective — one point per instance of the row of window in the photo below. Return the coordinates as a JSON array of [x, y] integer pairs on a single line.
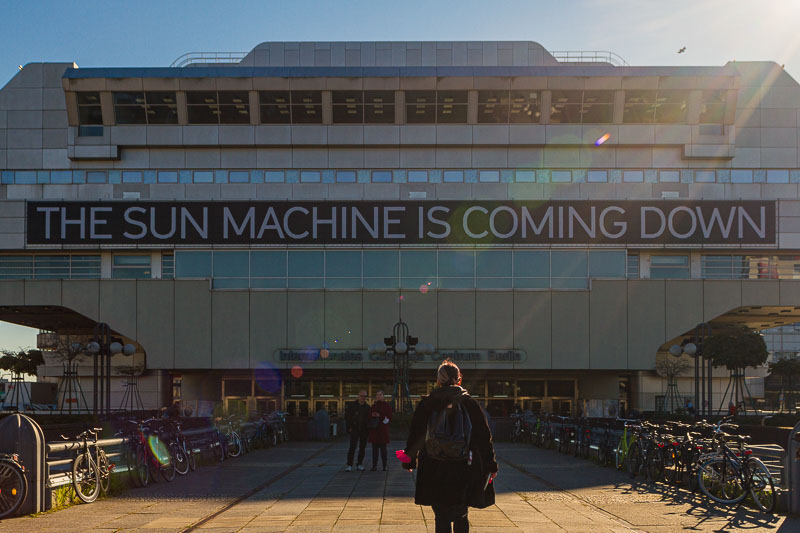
[[31, 177], [406, 269], [421, 107], [426, 269]]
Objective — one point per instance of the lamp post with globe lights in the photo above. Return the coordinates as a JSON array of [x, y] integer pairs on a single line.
[[102, 347], [694, 349]]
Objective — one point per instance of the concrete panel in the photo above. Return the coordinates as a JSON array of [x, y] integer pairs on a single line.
[[490, 157], [274, 158], [570, 330], [760, 292], [526, 134], [309, 157], [719, 297], [494, 320], [525, 157], [789, 292], [192, 324], [343, 321], [456, 320], [532, 327], [379, 316], [267, 325], [608, 324], [237, 135], [417, 157], [420, 312], [238, 158], [205, 158], [453, 157], [155, 321], [12, 292], [118, 306], [42, 292], [381, 134], [646, 327], [273, 134], [683, 307], [380, 157], [306, 322], [230, 329], [82, 297]]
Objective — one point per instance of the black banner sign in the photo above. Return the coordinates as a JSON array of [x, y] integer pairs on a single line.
[[431, 222]]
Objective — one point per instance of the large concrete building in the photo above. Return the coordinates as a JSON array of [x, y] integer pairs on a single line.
[[255, 223]]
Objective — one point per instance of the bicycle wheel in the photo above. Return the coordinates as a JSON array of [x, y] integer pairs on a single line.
[[190, 455], [234, 445], [721, 481], [655, 464], [602, 454], [168, 470], [671, 461], [85, 477], [219, 448], [180, 460], [634, 461], [13, 488], [141, 472], [762, 486], [104, 466]]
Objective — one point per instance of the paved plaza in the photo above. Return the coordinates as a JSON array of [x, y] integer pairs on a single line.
[[302, 487]]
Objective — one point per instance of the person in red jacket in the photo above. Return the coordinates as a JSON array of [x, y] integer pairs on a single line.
[[380, 414]]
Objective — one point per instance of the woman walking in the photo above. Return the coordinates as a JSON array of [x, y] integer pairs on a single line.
[[451, 444], [380, 414]]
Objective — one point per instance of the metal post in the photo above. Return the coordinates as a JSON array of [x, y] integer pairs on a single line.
[[94, 391], [710, 412], [697, 405]]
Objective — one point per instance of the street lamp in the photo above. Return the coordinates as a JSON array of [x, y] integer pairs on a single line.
[[694, 349], [102, 347]]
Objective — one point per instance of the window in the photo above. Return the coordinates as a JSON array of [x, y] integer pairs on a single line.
[[90, 112], [528, 176], [239, 176], [379, 107], [223, 107], [531, 269], [49, 266], [348, 107], [607, 264], [633, 266], [193, 264], [531, 387], [306, 107], [167, 266], [96, 176], [561, 176], [704, 176], [569, 270], [777, 176], [443, 107], [741, 176], [669, 267], [382, 176], [453, 176], [417, 176], [597, 176], [457, 269], [167, 177], [275, 107], [343, 269], [306, 269], [724, 267], [576, 107], [669, 176], [560, 388], [145, 108], [493, 269], [346, 176], [203, 176], [309, 176], [503, 107], [381, 269], [131, 176], [489, 176], [660, 107], [130, 266], [712, 107], [268, 270], [418, 269], [633, 176]]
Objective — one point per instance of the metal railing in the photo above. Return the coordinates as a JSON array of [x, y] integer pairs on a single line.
[[589, 56], [194, 58]]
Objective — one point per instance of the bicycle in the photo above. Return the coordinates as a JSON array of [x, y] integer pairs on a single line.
[[623, 447], [13, 484], [88, 477]]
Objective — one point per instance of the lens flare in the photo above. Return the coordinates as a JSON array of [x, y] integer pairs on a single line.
[[159, 449], [268, 378], [602, 139], [297, 371], [323, 353], [423, 289]]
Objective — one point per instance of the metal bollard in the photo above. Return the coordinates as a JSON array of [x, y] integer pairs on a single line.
[[22, 435], [793, 469]]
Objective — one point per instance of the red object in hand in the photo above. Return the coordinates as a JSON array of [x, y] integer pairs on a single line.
[[403, 456]]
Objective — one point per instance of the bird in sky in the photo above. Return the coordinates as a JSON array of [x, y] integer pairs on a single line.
[[682, 50]]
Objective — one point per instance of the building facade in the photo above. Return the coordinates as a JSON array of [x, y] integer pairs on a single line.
[[255, 225]]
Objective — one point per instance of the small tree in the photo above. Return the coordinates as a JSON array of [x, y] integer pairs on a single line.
[[736, 351], [671, 369], [21, 362], [788, 370]]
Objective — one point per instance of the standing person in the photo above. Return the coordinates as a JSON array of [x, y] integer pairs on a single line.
[[450, 442], [356, 420], [380, 414]]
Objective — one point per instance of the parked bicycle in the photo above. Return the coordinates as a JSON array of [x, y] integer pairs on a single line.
[[91, 469], [13, 484]]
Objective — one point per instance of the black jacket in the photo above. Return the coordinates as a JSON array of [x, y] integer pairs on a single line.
[[452, 482], [355, 417]]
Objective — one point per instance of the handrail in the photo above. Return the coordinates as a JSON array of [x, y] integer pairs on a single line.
[[589, 56], [192, 58]]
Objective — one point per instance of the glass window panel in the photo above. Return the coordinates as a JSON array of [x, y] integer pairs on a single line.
[[90, 115], [669, 260], [427, 283], [201, 97], [203, 114], [501, 388], [192, 264], [528, 176], [160, 98], [239, 176], [230, 114], [347, 97], [525, 107], [88, 98], [633, 266], [417, 176], [134, 98], [168, 177], [597, 113], [598, 97], [275, 114], [231, 265], [382, 176], [712, 107], [456, 264], [379, 97], [382, 264], [493, 283], [531, 264], [493, 107], [273, 97], [326, 388], [306, 283], [95, 176], [453, 176], [308, 176], [236, 98], [597, 176], [607, 264], [420, 264], [267, 264], [162, 114], [139, 260], [491, 263], [741, 176], [167, 266], [130, 273], [633, 176], [704, 176], [268, 283], [777, 176], [489, 176], [566, 107], [569, 264], [561, 176], [230, 283], [204, 176], [342, 264], [669, 176], [379, 113], [420, 107], [669, 266], [271, 176], [306, 97], [306, 264], [560, 387], [343, 283], [131, 176], [381, 283], [345, 176], [456, 283], [348, 107], [130, 114], [307, 107]]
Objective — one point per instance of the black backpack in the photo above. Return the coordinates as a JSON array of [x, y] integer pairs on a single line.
[[449, 430]]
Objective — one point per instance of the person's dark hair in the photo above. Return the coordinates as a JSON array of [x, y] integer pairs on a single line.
[[448, 373]]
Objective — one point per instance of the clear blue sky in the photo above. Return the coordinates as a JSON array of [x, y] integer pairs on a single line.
[[153, 33]]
